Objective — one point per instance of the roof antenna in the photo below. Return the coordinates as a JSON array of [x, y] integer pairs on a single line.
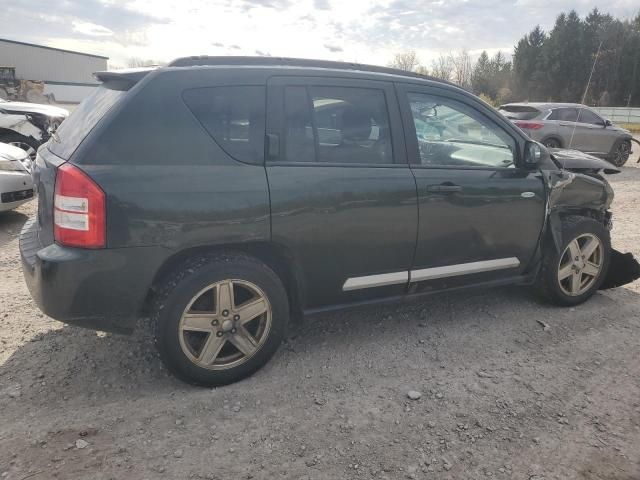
[[584, 96]]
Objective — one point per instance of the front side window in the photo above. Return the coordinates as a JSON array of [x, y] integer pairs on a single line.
[[233, 116], [587, 116], [336, 125], [451, 134]]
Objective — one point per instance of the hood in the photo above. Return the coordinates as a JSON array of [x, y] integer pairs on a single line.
[[24, 107], [10, 152], [577, 161]]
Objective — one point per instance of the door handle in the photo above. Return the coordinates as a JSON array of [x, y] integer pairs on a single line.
[[444, 188]]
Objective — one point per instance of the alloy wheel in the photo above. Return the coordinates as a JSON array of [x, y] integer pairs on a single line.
[[580, 264], [621, 154], [225, 324]]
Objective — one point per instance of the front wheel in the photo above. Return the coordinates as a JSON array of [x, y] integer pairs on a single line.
[[219, 319], [620, 153], [574, 273]]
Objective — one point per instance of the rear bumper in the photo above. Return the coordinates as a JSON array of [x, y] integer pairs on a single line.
[[98, 289]]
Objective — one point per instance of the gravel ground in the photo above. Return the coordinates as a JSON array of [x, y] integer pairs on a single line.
[[499, 395]]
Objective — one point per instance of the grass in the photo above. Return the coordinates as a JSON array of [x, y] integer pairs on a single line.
[[632, 127]]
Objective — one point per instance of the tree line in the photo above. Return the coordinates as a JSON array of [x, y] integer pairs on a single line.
[[595, 60]]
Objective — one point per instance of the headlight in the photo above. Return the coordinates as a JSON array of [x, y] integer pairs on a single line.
[[12, 166]]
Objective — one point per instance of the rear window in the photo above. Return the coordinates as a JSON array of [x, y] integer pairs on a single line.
[[519, 112], [234, 117], [75, 128]]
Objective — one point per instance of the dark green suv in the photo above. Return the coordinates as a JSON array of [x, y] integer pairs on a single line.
[[222, 196]]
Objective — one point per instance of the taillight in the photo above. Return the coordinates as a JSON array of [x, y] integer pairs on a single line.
[[79, 215], [529, 125]]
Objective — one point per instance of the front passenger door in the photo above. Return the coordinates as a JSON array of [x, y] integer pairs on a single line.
[[480, 214]]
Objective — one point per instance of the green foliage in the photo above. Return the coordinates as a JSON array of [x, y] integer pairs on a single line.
[[557, 66], [492, 77]]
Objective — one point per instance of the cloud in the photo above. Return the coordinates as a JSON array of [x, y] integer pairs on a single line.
[[91, 29], [333, 48], [367, 31], [321, 4]]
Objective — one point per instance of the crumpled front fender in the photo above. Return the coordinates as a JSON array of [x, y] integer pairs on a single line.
[[22, 125]]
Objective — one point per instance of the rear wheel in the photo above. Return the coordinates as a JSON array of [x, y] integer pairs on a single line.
[[219, 319], [574, 273], [620, 152], [551, 143]]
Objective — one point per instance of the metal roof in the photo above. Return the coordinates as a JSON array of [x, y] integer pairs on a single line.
[[51, 48]]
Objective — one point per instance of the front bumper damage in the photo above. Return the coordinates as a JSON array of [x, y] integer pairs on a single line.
[[567, 196]]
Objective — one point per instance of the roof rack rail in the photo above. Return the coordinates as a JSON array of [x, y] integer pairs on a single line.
[[205, 60]]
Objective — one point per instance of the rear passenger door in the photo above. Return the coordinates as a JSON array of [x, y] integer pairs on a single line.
[[343, 199]]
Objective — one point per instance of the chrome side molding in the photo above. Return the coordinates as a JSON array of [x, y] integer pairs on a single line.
[[463, 269], [369, 281], [396, 278]]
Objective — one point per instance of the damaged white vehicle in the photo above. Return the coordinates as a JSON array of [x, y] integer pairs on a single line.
[[28, 125], [16, 184]]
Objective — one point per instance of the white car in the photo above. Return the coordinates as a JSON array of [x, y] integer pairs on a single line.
[[28, 125], [16, 184]]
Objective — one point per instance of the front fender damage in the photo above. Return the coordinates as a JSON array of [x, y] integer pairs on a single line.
[[571, 193]]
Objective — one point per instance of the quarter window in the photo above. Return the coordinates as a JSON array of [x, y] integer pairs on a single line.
[[233, 116], [337, 125], [452, 134]]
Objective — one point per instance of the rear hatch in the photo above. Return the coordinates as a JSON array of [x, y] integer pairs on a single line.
[[519, 112], [66, 140]]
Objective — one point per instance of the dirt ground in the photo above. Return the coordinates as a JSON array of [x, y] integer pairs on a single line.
[[502, 397]]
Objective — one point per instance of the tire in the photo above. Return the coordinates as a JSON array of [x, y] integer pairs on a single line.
[[199, 286], [552, 143], [555, 263], [620, 152]]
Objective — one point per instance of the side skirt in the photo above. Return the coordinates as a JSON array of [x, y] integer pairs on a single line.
[[516, 280]]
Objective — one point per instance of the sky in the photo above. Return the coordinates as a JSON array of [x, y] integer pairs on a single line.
[[365, 31]]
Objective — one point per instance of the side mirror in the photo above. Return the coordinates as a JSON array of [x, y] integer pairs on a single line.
[[607, 123], [534, 152]]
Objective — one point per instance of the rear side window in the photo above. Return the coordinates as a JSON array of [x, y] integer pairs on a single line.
[[337, 125], [234, 117], [75, 128], [519, 112]]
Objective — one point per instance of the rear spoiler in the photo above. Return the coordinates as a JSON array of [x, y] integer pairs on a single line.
[[122, 79]]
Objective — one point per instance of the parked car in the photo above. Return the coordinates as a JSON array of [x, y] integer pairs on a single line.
[[28, 125], [570, 125], [16, 185], [223, 196]]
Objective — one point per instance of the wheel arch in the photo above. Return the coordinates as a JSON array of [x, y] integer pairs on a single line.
[[277, 257], [557, 216]]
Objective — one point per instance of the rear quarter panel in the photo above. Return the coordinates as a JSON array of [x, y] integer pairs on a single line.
[[167, 181]]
